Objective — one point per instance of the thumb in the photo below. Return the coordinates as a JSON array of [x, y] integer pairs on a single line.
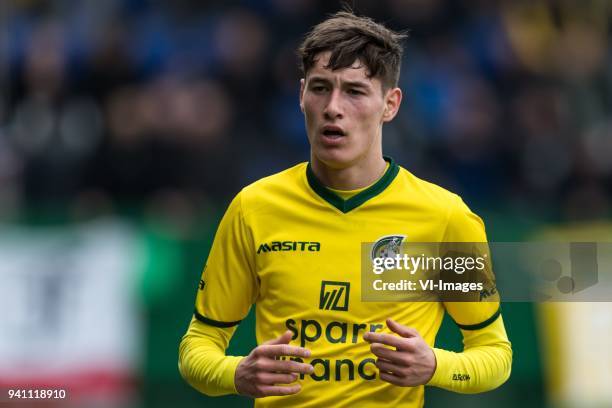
[[400, 329], [284, 338]]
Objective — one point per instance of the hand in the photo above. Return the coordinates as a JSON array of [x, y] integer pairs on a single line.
[[412, 362], [259, 374]]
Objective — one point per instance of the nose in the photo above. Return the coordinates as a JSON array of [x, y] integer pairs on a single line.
[[333, 109]]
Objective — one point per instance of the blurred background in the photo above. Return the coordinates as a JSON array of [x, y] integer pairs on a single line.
[[126, 126]]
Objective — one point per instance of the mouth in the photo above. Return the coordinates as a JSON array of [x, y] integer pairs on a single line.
[[333, 132]]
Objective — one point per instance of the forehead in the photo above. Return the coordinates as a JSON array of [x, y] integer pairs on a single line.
[[356, 72]]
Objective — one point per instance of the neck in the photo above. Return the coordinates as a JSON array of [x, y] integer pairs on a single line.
[[351, 177]]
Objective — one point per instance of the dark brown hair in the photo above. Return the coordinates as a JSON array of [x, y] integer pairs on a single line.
[[350, 38]]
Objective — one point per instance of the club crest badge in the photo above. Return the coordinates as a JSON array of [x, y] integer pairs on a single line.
[[387, 247]]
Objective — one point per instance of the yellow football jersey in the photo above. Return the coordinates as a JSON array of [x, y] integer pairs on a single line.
[[293, 248]]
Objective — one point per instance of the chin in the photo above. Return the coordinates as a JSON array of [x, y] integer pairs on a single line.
[[335, 158]]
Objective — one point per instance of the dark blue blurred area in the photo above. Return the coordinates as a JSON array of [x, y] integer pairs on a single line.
[[506, 103]]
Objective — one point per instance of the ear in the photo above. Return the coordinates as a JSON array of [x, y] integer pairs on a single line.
[[302, 95], [393, 99]]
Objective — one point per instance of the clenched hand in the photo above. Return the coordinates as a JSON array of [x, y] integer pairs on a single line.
[[260, 374], [410, 363]]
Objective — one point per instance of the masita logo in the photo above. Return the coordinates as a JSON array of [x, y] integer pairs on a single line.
[[277, 246]]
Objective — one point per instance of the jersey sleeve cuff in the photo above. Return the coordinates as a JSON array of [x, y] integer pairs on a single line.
[[229, 374], [444, 361]]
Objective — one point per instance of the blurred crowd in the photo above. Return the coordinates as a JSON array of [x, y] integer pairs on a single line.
[[175, 103]]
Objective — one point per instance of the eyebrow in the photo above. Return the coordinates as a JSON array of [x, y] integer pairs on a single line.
[[355, 84]]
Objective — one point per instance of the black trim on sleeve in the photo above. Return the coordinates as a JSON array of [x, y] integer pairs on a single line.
[[214, 323], [482, 325]]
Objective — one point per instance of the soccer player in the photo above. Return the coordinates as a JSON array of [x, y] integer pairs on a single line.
[[291, 245]]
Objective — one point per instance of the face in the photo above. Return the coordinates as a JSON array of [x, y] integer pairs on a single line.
[[344, 112]]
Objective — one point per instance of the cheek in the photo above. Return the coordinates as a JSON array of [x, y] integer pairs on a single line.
[[369, 115], [309, 110], [309, 119]]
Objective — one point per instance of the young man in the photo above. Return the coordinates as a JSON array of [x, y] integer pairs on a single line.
[[291, 244]]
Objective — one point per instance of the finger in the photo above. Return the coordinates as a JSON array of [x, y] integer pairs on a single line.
[[402, 330], [388, 367], [287, 366], [276, 378], [284, 338], [390, 378], [270, 390], [384, 338], [393, 356], [278, 350]]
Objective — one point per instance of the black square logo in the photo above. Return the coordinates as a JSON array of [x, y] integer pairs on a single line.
[[334, 295]]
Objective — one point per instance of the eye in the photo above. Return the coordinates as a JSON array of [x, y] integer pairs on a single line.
[[353, 91], [318, 88]]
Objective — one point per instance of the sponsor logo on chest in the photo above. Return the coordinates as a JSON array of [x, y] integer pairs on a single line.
[[295, 246]]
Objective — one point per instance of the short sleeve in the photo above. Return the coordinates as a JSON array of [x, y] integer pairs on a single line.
[[467, 231], [228, 286]]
